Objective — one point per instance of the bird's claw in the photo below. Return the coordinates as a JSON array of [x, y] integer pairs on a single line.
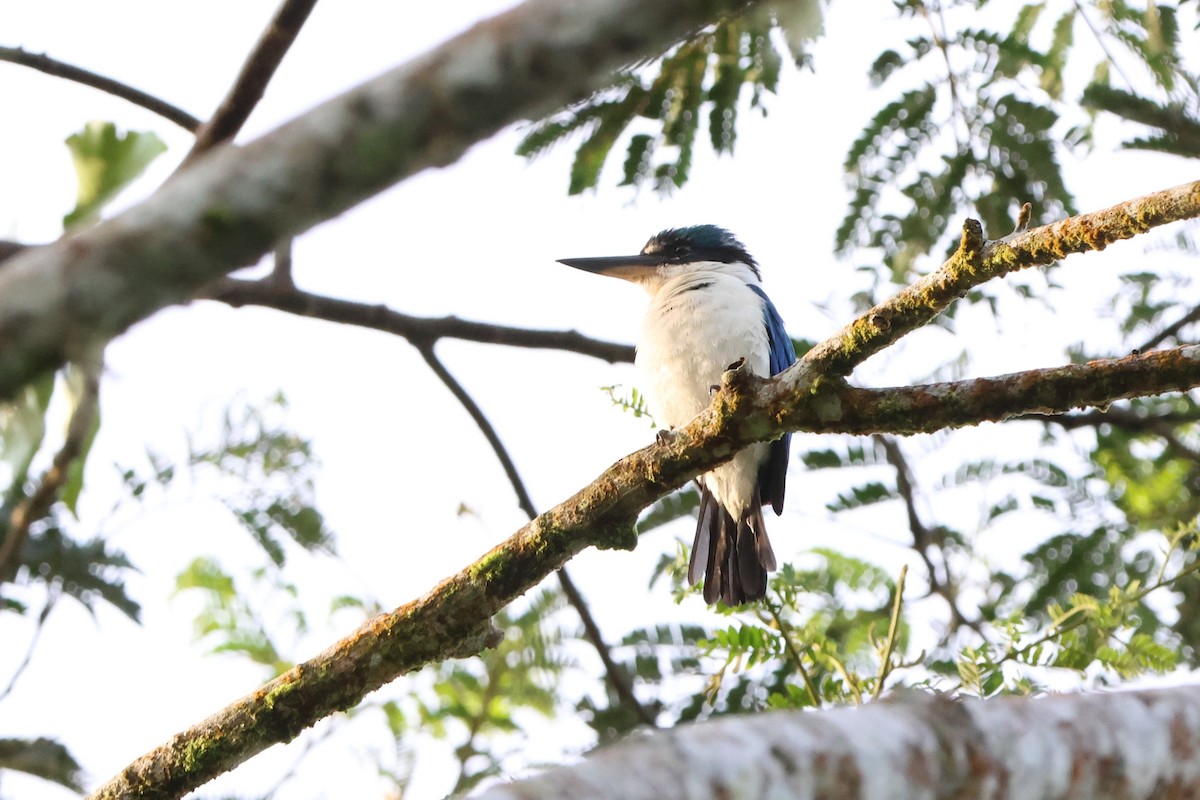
[[663, 436]]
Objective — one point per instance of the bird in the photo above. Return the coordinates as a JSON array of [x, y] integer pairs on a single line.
[[707, 312]]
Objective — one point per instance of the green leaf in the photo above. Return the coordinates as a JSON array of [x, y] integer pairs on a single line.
[[105, 162], [22, 429], [591, 155], [86, 571], [637, 160], [864, 495], [81, 389], [884, 65], [1056, 56]]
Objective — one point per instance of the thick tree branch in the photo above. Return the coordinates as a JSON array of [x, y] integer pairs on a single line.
[[60, 69], [454, 618], [252, 81], [420, 331], [1127, 745], [232, 206]]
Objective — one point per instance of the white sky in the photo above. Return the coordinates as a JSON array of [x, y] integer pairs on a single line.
[[478, 240]]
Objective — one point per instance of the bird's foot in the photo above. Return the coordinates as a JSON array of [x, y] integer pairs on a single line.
[[663, 436]]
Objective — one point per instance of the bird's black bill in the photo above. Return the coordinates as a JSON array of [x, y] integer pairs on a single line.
[[627, 267]]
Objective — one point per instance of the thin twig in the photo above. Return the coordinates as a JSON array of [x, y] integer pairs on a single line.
[[1172, 330], [939, 38], [616, 675], [885, 660], [923, 538], [420, 331], [1078, 615], [1161, 425], [251, 82], [61, 69], [33, 640], [793, 654], [1103, 46], [1120, 416]]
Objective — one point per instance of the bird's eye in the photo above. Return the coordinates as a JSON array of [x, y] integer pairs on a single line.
[[680, 250]]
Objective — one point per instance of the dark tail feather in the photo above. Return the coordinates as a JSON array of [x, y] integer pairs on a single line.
[[737, 554]]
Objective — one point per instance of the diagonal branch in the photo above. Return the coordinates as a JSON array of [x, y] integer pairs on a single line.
[[924, 538], [61, 69], [977, 261], [420, 331], [1172, 330], [233, 206], [256, 73]]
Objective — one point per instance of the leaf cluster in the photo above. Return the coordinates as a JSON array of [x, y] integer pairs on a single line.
[[658, 111]]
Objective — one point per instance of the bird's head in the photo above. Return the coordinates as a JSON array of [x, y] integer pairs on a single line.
[[675, 252]]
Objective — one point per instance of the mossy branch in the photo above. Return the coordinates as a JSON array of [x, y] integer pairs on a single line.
[[454, 618], [977, 261]]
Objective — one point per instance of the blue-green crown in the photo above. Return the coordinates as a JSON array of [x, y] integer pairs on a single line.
[[699, 243]]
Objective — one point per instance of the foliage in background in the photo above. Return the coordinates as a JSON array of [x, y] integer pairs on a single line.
[[106, 161], [979, 105], [662, 109]]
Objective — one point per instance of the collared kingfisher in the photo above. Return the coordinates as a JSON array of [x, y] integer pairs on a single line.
[[707, 312]]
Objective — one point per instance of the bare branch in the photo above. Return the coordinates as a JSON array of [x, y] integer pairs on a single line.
[[60, 69], [257, 71], [615, 675], [235, 204], [1172, 330], [1128, 745], [1123, 417], [1161, 425], [485, 427], [924, 539], [420, 331]]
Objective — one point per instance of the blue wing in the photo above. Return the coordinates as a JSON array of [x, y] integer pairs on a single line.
[[772, 476]]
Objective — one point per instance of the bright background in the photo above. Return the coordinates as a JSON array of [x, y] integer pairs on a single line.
[[478, 240]]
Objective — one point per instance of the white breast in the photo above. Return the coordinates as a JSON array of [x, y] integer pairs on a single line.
[[698, 324]]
